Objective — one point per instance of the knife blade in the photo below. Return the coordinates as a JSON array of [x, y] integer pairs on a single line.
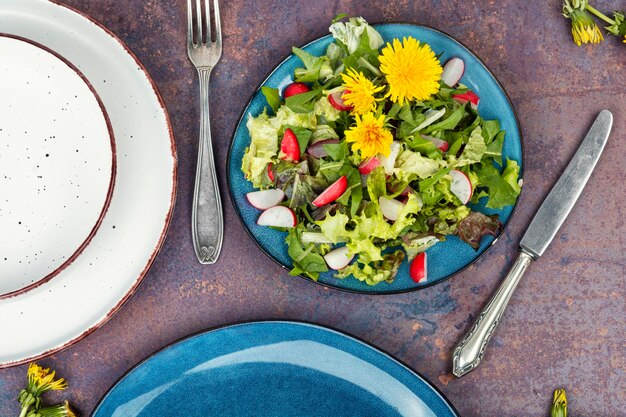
[[542, 229], [566, 191]]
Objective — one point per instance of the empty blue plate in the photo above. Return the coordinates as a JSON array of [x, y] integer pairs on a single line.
[[272, 369], [444, 259]]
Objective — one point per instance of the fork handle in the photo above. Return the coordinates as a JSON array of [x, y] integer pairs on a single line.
[[469, 352], [207, 222]]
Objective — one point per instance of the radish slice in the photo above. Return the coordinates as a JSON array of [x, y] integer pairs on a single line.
[[431, 117], [391, 208], [317, 149], [314, 237], [369, 165], [277, 216], [294, 89], [266, 198], [453, 71], [388, 162], [470, 96], [336, 100], [461, 186], [338, 258], [289, 147], [332, 193], [419, 268], [441, 144]]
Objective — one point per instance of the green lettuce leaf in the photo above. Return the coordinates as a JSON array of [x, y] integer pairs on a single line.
[[315, 67], [474, 149], [494, 149], [302, 103], [411, 165], [334, 227], [490, 128], [349, 33], [449, 123], [272, 96], [384, 270], [414, 243], [306, 258], [502, 189], [322, 107], [263, 148], [322, 132]]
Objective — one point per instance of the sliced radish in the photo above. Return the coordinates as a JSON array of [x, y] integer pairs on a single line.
[[317, 149], [369, 165], [333, 192], [461, 186], [431, 117], [289, 147], [419, 268], [314, 237], [266, 198], [470, 96], [336, 100], [391, 208], [453, 71], [277, 216], [338, 258], [388, 162], [441, 144], [270, 171], [295, 88]]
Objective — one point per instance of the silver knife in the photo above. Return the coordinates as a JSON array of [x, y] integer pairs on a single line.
[[551, 215]]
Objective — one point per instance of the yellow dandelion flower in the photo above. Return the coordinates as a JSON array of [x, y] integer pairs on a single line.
[[41, 380], [559, 404], [369, 136], [359, 92], [59, 410], [584, 29], [412, 70]]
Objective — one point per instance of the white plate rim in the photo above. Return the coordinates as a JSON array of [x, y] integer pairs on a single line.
[[107, 201], [168, 217]]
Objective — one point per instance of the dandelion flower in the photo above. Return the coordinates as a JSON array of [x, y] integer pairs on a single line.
[[412, 70], [369, 136], [41, 380], [59, 410], [360, 92], [559, 404], [584, 29]]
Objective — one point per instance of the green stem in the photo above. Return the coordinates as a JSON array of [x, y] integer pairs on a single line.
[[24, 410], [600, 15]]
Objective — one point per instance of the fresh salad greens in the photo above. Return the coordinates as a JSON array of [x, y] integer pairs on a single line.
[[373, 155]]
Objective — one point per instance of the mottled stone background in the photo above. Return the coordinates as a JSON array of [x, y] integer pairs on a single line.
[[565, 326]]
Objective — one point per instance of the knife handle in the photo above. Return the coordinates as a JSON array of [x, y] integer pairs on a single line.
[[469, 352]]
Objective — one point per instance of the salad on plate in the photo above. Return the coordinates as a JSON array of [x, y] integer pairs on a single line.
[[373, 154]]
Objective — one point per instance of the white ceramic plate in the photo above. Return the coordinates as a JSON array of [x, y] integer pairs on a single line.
[[57, 164], [86, 293]]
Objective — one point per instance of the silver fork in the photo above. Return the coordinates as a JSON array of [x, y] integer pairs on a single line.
[[207, 222]]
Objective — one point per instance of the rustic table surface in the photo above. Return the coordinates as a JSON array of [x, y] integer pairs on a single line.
[[565, 325]]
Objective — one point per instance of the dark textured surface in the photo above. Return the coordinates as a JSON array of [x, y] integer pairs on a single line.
[[565, 326]]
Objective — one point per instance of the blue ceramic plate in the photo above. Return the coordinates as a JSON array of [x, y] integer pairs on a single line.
[[272, 369], [444, 259]]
